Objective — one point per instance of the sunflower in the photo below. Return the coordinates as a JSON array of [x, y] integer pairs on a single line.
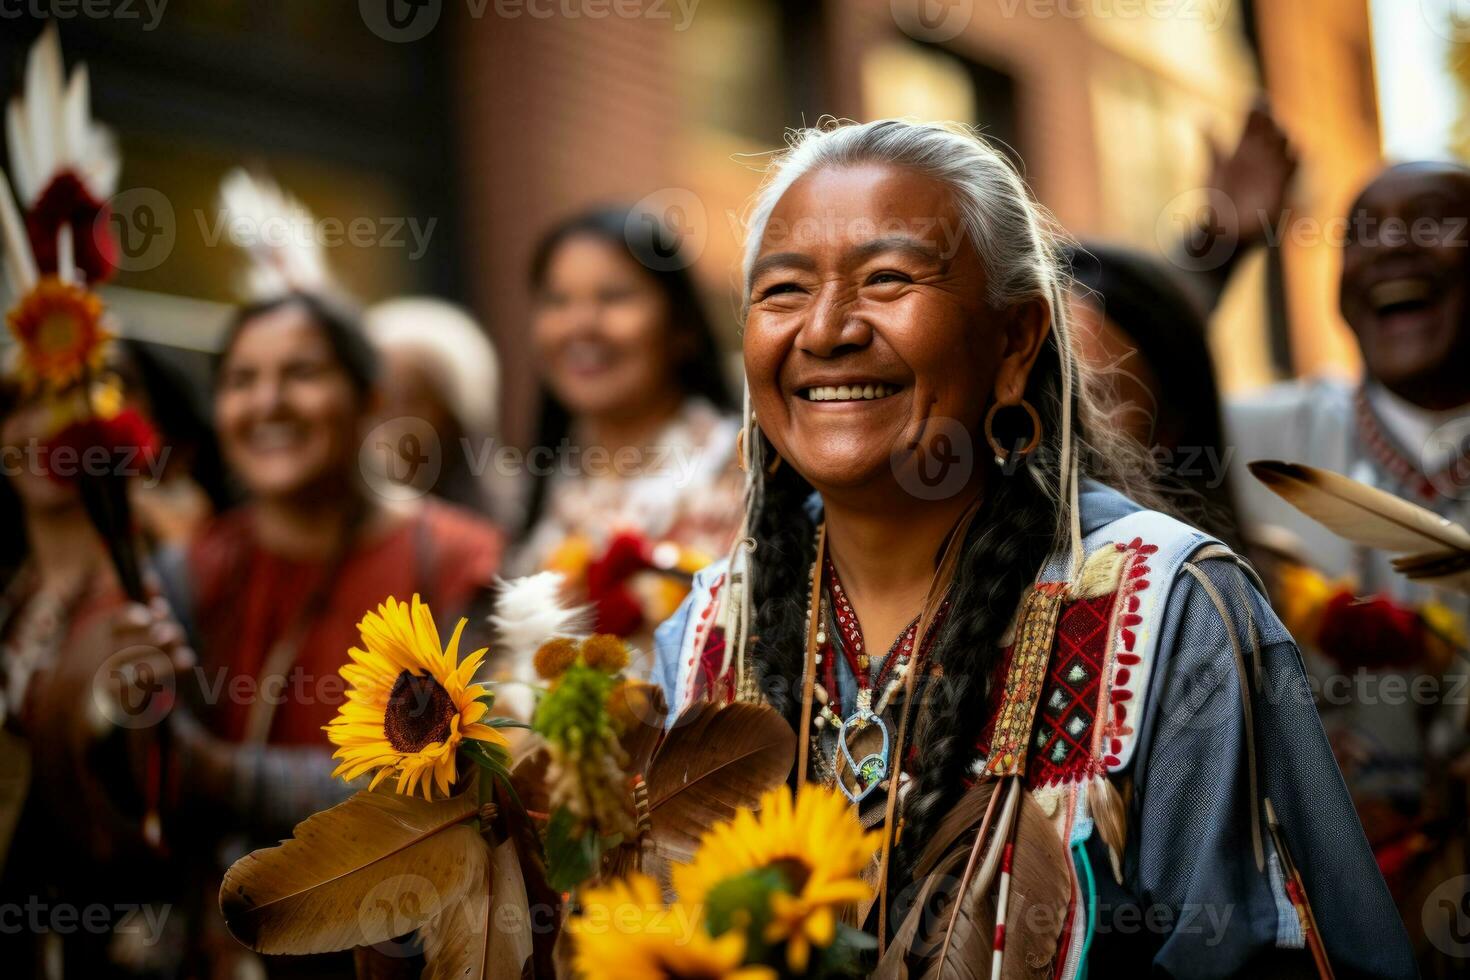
[[59, 328], [625, 932], [411, 704], [813, 852]]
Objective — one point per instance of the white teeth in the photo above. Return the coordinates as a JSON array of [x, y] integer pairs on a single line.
[[846, 393], [1391, 292]]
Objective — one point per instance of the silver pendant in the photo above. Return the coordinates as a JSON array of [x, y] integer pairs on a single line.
[[873, 768]]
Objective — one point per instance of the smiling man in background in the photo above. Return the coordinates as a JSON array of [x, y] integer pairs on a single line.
[[1391, 668]]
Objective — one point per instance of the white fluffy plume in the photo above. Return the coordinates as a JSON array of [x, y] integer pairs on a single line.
[[50, 130], [530, 611], [278, 234]]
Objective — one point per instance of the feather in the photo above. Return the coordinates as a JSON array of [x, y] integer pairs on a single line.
[[716, 759], [486, 935], [1360, 513], [20, 264], [1445, 569], [528, 612], [18, 140], [1101, 573], [42, 103], [376, 866], [278, 235], [1041, 879], [1110, 818]]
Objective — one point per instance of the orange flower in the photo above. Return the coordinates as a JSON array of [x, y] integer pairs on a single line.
[[59, 329]]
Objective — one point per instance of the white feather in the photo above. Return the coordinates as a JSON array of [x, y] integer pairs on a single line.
[[528, 612], [20, 264], [50, 129], [278, 235], [19, 143], [43, 101]]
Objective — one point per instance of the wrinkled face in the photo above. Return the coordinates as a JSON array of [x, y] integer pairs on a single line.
[[868, 324], [602, 331], [287, 412], [1404, 270]]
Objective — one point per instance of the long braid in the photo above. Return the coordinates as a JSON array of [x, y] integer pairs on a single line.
[[785, 550], [1009, 540]]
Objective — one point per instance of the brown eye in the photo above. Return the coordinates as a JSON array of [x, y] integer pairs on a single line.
[[887, 276]]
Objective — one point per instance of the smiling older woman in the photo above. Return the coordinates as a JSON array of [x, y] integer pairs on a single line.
[[946, 606]]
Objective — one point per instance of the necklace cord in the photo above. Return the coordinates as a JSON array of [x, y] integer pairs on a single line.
[[938, 588]]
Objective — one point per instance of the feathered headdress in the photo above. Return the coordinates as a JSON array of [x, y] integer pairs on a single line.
[[278, 235], [65, 165]]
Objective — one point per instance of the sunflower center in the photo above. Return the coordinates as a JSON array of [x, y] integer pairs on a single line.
[[419, 713], [58, 332], [796, 872]]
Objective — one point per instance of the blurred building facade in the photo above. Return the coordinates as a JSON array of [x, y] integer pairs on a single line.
[[504, 115], [1110, 109]]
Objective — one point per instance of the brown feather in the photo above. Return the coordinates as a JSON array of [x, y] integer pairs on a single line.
[[1110, 818], [1446, 569], [642, 711], [487, 934], [516, 825], [717, 759], [1360, 513], [322, 890], [1040, 891]]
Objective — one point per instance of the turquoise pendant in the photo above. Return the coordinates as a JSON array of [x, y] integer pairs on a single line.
[[873, 768]]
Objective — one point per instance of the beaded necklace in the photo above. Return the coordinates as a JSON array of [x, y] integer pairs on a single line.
[[872, 769]]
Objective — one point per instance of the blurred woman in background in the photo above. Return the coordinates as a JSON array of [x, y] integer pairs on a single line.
[[634, 483], [72, 819], [441, 379]]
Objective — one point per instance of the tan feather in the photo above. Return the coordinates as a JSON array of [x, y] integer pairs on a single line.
[[716, 759], [376, 866], [1360, 513], [487, 934], [1110, 818], [1445, 569], [1040, 891]]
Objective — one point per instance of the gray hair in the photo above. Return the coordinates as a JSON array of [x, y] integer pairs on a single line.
[[1021, 246]]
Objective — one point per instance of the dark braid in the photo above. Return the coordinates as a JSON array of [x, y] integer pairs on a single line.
[[1009, 540], [785, 549]]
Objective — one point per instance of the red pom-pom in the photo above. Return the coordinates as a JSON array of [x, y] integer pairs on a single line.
[[126, 444], [66, 200], [1373, 633]]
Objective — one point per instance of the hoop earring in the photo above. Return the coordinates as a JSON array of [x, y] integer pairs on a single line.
[[742, 461], [1010, 457]]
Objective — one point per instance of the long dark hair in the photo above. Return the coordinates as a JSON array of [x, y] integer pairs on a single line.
[[645, 240]]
